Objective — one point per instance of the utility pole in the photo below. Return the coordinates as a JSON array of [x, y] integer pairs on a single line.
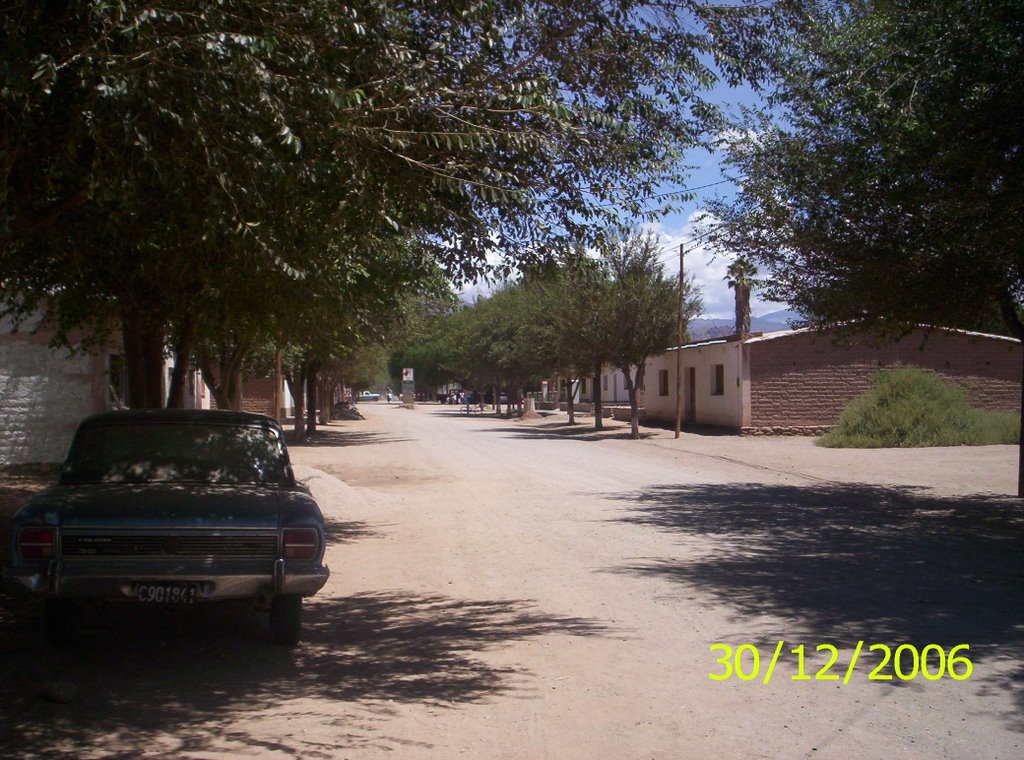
[[679, 343]]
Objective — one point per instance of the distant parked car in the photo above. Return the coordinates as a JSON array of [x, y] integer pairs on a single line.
[[171, 507], [369, 396]]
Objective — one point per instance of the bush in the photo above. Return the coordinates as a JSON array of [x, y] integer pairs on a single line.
[[911, 407]]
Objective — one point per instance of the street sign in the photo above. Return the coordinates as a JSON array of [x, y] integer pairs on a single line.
[[408, 386]]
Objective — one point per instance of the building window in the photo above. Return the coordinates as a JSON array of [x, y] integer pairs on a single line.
[[718, 380], [604, 382], [583, 386], [662, 382]]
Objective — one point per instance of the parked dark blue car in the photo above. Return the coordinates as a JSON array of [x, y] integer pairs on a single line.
[[172, 507]]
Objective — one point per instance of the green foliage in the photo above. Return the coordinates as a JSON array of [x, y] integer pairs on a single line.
[[497, 124], [887, 191], [241, 170], [489, 340], [910, 407], [740, 277], [642, 311], [366, 367], [565, 319], [424, 343], [641, 302], [575, 300]]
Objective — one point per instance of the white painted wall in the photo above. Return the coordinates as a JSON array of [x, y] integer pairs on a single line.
[[43, 395], [613, 386], [725, 410]]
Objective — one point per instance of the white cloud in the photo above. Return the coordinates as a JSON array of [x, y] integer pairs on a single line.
[[707, 266], [733, 139]]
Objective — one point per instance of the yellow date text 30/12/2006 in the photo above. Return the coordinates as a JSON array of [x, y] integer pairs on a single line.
[[904, 662]]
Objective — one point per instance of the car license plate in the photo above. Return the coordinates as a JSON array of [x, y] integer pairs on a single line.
[[167, 593]]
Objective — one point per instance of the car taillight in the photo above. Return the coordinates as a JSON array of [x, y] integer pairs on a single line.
[[37, 543], [300, 543]]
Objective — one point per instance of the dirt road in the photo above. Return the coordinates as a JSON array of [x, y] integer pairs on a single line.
[[520, 590]]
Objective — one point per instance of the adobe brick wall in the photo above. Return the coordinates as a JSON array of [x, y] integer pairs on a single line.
[[258, 395], [805, 379]]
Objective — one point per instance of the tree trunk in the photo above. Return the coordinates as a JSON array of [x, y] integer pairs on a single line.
[[177, 394], [296, 385], [234, 387], [220, 398], [133, 344], [742, 308], [220, 395], [275, 398], [232, 374], [311, 400], [144, 361], [633, 385], [224, 380], [598, 404], [325, 401], [634, 401], [183, 348]]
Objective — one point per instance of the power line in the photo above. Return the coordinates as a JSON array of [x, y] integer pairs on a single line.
[[670, 252], [684, 190]]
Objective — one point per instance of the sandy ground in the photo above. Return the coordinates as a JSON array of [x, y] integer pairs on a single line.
[[507, 589]]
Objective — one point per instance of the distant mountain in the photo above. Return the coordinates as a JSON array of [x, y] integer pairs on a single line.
[[707, 328], [702, 329], [775, 320]]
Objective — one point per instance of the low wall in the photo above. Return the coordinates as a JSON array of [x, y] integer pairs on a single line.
[[805, 379], [813, 430]]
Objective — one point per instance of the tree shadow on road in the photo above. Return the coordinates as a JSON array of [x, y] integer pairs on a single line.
[[560, 431], [854, 562], [350, 531], [336, 438], [206, 675]]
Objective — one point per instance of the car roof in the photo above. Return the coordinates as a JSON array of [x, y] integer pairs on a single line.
[[188, 416]]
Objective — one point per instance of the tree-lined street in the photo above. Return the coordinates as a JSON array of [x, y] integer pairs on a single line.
[[215, 193], [525, 589]]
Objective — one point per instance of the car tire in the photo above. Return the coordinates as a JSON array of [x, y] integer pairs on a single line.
[[61, 621], [286, 619]]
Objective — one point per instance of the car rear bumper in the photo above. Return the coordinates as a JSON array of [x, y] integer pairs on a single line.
[[117, 581]]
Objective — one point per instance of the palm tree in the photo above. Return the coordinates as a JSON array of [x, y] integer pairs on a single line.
[[740, 276]]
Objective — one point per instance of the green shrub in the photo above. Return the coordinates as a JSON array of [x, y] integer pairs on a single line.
[[911, 407]]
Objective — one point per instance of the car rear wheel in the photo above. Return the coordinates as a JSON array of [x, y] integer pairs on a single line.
[[286, 619], [61, 621]]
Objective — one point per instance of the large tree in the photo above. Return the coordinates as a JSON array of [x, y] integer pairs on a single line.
[[642, 308], [574, 293], [155, 159], [892, 192], [740, 276]]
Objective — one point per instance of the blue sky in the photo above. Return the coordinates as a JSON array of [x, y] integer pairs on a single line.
[[708, 180]]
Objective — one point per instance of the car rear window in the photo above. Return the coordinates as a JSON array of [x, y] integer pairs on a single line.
[[175, 452]]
